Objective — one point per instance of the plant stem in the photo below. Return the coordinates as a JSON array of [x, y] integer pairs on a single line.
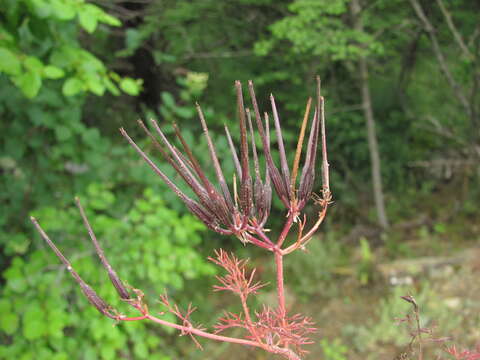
[[279, 262], [280, 289], [198, 332], [419, 331], [286, 228]]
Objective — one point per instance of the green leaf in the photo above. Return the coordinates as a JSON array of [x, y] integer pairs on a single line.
[[107, 352], [60, 356], [9, 62], [62, 132], [109, 19], [55, 327], [72, 87], [15, 278], [33, 64], [184, 112], [133, 40], [5, 306], [63, 10], [140, 350], [111, 87], [33, 329], [29, 83], [34, 324], [160, 57], [168, 99], [34, 312], [88, 19], [130, 86], [95, 85], [53, 72], [9, 323], [42, 8], [18, 244]]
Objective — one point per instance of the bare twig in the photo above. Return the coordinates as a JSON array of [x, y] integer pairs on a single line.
[[457, 89], [458, 38]]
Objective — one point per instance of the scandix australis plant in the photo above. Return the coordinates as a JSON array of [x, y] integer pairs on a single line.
[[243, 214]]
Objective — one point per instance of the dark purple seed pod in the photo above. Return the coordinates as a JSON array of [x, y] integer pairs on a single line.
[[234, 153], [278, 184], [178, 163], [223, 212], [206, 217], [268, 202], [243, 131], [306, 186], [259, 197], [91, 295], [155, 168], [258, 191], [246, 179], [246, 196], [202, 213], [118, 284], [281, 148], [278, 181], [193, 161], [268, 180], [208, 196], [96, 300], [215, 162], [308, 172], [214, 203]]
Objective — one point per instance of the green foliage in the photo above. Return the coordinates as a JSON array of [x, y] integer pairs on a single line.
[[152, 248], [396, 246], [39, 41], [382, 329], [365, 266], [318, 27], [326, 258], [48, 154], [333, 350]]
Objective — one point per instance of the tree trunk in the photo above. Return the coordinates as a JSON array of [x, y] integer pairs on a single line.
[[371, 133], [373, 145]]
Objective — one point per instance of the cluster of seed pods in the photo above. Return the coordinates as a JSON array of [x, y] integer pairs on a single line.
[[246, 211]]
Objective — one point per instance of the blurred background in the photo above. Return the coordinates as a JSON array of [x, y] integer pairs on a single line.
[[401, 80]]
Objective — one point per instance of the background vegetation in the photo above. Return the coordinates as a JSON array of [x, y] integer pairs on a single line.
[[401, 80]]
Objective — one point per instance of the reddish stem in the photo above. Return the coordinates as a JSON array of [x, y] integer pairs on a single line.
[[258, 242], [190, 330], [286, 228], [280, 289], [134, 318], [248, 319], [261, 234], [279, 262], [315, 227]]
